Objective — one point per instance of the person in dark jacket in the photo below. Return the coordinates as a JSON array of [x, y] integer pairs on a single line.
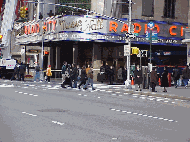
[[164, 79], [176, 76], [106, 71], [64, 67], [124, 74], [37, 75], [111, 74], [74, 75], [101, 75], [83, 77], [18, 72], [67, 80], [14, 73], [22, 71], [138, 78], [153, 79], [186, 75]]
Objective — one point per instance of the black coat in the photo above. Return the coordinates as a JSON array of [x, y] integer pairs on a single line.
[[83, 75], [164, 79], [102, 69], [107, 69], [74, 74], [176, 74], [124, 74], [138, 80], [111, 72], [186, 73]]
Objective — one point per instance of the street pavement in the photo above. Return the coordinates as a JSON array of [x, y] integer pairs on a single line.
[[42, 112]]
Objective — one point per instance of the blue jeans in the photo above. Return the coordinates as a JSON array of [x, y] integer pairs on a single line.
[[185, 81], [75, 84], [37, 76], [176, 83], [89, 81]]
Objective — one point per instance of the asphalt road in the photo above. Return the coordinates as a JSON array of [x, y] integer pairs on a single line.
[[42, 112]]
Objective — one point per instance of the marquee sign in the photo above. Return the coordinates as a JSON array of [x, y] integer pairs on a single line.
[[78, 28]]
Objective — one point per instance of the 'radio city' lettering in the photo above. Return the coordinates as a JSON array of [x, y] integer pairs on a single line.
[[138, 27], [29, 29]]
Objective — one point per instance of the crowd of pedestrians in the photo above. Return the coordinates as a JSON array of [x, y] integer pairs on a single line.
[[72, 74]]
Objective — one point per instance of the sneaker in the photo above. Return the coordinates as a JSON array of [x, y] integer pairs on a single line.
[[48, 82], [176, 86], [34, 81], [185, 86], [85, 88], [93, 89]]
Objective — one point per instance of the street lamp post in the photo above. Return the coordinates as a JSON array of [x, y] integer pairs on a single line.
[[42, 76], [42, 59]]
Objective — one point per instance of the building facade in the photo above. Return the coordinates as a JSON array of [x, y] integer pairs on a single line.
[[96, 39]]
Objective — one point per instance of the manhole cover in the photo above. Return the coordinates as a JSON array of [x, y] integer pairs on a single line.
[[52, 110]]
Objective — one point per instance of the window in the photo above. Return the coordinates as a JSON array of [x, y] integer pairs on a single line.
[[85, 4], [148, 8], [169, 9], [125, 7]]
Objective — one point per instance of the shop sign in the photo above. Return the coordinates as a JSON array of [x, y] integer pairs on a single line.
[[167, 53], [95, 29]]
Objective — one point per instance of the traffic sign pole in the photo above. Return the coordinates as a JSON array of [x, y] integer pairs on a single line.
[[150, 45]]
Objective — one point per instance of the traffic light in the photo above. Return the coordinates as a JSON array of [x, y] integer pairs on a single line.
[[135, 50], [24, 12], [46, 52], [1, 36]]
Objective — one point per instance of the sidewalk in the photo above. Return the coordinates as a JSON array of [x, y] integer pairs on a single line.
[[172, 92]]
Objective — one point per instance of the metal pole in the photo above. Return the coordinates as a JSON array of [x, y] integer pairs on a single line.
[[150, 44], [129, 31], [42, 75], [140, 60]]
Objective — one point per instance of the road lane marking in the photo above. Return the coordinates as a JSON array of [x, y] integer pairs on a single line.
[[159, 118]]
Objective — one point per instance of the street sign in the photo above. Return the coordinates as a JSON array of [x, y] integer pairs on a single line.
[[154, 35], [126, 50], [130, 35], [150, 25]]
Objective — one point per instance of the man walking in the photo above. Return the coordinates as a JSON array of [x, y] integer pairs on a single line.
[[90, 78], [176, 76], [138, 78], [74, 75], [153, 79], [37, 69], [111, 75], [185, 75], [64, 67], [22, 71]]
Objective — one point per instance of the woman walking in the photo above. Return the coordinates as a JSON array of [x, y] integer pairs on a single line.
[[164, 79], [48, 73]]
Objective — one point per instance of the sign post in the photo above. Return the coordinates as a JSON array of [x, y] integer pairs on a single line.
[[150, 26]]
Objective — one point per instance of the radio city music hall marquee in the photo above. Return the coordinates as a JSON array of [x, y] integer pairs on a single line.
[[93, 29]]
